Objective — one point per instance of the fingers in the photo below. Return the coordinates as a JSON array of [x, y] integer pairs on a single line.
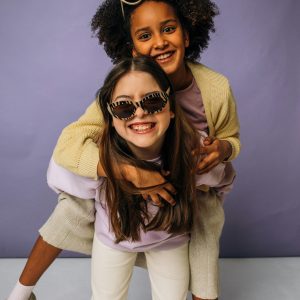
[[207, 168], [161, 194], [153, 185], [210, 148], [166, 196], [207, 149], [206, 165], [209, 140], [155, 199], [145, 196], [170, 188]]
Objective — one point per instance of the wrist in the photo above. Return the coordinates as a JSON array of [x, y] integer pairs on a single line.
[[228, 150], [128, 172]]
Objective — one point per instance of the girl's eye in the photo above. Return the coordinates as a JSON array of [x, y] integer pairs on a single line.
[[144, 36], [169, 29]]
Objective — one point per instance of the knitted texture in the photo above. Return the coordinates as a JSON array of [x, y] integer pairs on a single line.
[[76, 149], [219, 105]]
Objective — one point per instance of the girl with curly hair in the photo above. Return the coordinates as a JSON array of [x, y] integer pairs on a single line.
[[174, 34]]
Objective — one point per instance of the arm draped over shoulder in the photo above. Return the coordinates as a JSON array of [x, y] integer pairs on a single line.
[[76, 148]]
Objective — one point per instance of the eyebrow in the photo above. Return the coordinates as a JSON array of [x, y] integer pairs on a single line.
[[161, 24], [122, 96], [149, 93], [130, 98]]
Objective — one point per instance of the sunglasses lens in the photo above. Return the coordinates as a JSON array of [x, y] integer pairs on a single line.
[[124, 110], [153, 104]]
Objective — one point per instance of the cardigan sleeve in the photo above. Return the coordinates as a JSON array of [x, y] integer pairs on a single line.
[[219, 104], [226, 122], [76, 148]]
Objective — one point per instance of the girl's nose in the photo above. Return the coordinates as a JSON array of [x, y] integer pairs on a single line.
[[160, 42], [139, 112]]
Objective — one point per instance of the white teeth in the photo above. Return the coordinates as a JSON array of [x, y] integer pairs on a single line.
[[141, 127], [164, 56]]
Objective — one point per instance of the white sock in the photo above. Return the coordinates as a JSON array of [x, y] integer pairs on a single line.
[[20, 292]]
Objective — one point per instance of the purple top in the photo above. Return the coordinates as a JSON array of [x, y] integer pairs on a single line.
[[190, 101], [61, 179]]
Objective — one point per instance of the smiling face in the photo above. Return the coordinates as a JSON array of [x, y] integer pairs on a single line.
[[157, 32], [144, 133]]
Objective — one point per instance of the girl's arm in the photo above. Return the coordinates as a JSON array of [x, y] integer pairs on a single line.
[[76, 148], [77, 151], [225, 144]]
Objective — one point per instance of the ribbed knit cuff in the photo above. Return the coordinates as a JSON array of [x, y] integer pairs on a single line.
[[87, 165], [235, 147]]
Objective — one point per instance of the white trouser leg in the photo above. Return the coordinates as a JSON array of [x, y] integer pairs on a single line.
[[169, 273], [111, 272]]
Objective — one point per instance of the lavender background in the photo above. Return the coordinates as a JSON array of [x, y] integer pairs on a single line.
[[50, 68]]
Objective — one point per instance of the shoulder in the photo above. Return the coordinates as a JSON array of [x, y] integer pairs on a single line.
[[207, 77], [62, 180]]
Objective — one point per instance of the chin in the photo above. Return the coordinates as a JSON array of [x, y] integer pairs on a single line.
[[170, 70]]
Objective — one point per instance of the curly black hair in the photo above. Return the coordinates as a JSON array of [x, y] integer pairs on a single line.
[[113, 31]]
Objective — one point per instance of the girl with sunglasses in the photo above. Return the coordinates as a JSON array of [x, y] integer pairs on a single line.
[[143, 127], [173, 33]]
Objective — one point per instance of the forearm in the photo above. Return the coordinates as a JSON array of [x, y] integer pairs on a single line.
[[227, 126], [227, 149], [121, 171], [76, 149], [233, 147]]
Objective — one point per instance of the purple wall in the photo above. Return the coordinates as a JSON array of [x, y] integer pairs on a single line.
[[50, 68]]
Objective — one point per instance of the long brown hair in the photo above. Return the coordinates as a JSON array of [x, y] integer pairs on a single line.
[[127, 208]]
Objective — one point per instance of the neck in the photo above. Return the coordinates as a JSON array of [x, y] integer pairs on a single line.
[[182, 78], [148, 153]]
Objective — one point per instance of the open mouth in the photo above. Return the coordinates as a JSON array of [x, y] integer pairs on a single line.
[[142, 128], [164, 57]]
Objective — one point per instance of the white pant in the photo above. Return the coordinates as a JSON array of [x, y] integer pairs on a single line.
[[112, 270]]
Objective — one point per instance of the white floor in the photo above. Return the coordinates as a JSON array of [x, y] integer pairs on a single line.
[[241, 279]]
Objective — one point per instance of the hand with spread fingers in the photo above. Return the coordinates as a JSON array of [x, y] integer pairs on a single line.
[[153, 185], [160, 193], [214, 151]]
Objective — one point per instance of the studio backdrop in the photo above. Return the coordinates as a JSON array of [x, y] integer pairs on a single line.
[[51, 67]]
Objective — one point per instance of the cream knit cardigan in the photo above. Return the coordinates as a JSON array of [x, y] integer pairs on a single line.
[[76, 149]]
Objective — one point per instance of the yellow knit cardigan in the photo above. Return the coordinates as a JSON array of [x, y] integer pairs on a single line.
[[76, 149]]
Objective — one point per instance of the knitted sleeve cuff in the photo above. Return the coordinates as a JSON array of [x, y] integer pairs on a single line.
[[235, 146], [88, 162]]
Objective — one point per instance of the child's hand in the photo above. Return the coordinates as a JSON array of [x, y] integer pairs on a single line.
[[153, 184], [214, 151]]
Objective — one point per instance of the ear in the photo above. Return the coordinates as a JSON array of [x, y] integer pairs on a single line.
[[172, 115], [186, 37]]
